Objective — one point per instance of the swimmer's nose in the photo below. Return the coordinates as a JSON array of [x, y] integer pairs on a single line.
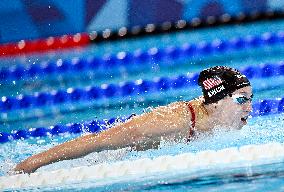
[[248, 107]]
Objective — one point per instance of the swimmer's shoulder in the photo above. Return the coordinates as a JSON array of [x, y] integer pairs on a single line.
[[196, 104], [174, 108], [178, 107]]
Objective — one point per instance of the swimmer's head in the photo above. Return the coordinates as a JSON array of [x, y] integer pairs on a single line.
[[220, 81], [229, 94]]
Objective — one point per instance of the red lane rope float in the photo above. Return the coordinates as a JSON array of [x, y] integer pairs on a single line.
[[83, 39], [41, 45]]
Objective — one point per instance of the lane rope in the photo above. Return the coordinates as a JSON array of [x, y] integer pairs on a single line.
[[140, 57], [124, 89], [84, 38]]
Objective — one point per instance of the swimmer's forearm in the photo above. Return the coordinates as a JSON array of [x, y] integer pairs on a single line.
[[69, 150], [111, 139]]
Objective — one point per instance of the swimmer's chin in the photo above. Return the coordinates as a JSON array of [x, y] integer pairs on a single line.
[[243, 123], [237, 127]]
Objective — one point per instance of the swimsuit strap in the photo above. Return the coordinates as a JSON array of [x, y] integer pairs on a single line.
[[191, 129]]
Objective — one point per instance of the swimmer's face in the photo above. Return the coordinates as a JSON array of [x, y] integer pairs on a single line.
[[236, 108]]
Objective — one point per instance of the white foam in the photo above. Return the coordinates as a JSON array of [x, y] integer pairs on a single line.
[[182, 162]]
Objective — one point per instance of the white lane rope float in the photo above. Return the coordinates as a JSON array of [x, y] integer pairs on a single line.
[[146, 166]]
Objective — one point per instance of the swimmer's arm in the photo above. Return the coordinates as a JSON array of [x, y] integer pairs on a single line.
[[146, 127], [116, 137]]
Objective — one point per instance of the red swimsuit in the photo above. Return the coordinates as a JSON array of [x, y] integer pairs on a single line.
[[191, 129]]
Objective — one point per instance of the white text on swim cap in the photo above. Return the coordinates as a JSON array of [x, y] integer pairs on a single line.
[[241, 76], [216, 90]]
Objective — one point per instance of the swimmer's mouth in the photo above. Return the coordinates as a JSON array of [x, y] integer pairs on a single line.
[[244, 119]]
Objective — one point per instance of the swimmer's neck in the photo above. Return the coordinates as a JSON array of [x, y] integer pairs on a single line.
[[213, 118]]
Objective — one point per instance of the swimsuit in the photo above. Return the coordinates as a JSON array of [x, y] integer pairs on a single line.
[[191, 129]]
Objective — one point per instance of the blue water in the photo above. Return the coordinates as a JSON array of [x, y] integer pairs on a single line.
[[259, 130]]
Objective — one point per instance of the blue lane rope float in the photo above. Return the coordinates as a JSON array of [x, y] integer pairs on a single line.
[[124, 58], [124, 89], [261, 108]]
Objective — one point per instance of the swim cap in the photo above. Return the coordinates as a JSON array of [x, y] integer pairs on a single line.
[[219, 81]]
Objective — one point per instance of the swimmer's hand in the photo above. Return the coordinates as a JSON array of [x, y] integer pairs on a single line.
[[26, 166]]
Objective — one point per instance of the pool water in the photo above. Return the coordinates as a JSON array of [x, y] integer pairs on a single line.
[[260, 130]]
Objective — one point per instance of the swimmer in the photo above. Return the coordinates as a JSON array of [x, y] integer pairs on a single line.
[[226, 102]]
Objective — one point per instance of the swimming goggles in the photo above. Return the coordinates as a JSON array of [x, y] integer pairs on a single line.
[[241, 99]]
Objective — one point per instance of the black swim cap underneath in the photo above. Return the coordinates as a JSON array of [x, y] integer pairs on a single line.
[[219, 81]]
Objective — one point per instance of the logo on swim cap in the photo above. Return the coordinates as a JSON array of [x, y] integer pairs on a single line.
[[212, 82]]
